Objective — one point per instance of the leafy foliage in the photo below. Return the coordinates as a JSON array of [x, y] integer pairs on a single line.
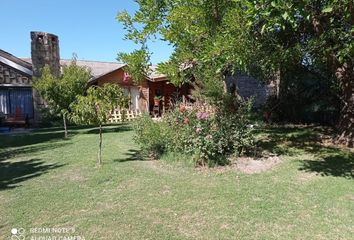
[[263, 38], [243, 33], [60, 92], [96, 106], [149, 135], [137, 64]]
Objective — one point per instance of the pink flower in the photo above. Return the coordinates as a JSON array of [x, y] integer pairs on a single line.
[[209, 137], [182, 108], [126, 77], [202, 115], [198, 130], [185, 120]]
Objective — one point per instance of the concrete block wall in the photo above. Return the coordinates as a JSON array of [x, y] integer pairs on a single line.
[[248, 87]]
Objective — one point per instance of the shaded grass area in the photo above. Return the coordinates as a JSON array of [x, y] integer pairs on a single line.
[[307, 140], [13, 173], [50, 182]]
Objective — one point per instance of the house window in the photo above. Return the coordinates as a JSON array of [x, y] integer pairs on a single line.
[[4, 101], [14, 100]]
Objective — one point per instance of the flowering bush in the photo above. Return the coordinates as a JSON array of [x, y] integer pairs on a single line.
[[208, 137]]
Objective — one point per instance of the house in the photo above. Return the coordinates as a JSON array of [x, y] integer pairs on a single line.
[[142, 94], [15, 87], [18, 100]]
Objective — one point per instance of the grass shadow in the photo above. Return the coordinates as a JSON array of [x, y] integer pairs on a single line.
[[43, 135], [294, 141], [132, 155], [13, 173], [9, 153], [110, 129], [336, 165], [30, 139]]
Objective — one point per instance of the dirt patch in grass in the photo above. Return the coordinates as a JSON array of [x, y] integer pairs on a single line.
[[165, 168], [250, 165], [306, 177], [350, 197], [247, 165]]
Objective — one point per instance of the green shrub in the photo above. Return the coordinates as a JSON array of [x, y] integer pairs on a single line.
[[49, 118], [149, 136], [178, 159]]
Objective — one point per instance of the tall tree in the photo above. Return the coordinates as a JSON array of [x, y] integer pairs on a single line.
[[60, 92], [219, 36], [318, 33], [96, 107]]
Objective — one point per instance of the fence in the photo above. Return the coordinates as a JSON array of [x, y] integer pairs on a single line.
[[118, 115]]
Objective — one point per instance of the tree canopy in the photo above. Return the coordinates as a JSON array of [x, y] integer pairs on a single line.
[[263, 37], [60, 92]]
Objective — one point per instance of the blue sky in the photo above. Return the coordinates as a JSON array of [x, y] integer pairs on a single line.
[[87, 28]]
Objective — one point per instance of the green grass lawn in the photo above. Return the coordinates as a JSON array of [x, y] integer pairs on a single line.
[[47, 182]]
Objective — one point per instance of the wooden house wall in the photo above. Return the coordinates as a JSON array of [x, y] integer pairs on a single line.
[[168, 91], [117, 77], [148, 89]]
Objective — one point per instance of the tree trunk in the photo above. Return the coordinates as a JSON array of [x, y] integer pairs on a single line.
[[345, 76], [278, 84], [65, 128], [99, 157]]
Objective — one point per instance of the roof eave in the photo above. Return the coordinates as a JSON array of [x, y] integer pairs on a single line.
[[16, 66], [94, 79]]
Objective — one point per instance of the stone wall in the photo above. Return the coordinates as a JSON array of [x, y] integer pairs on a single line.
[[45, 50], [11, 76]]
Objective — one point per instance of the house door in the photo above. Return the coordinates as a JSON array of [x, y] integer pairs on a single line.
[[135, 96]]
